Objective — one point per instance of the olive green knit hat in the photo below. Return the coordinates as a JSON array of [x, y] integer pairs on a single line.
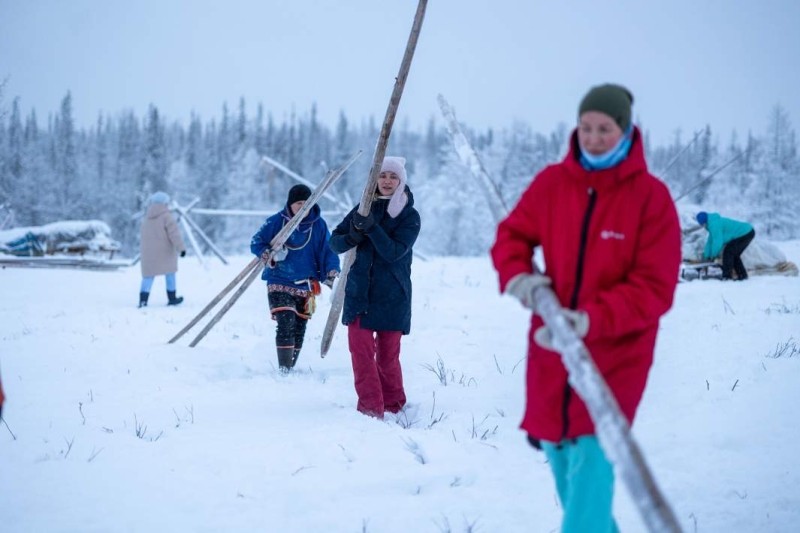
[[611, 99]]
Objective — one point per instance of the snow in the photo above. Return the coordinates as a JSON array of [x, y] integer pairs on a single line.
[[232, 445]]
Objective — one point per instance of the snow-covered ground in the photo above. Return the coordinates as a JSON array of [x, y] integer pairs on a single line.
[[116, 430]]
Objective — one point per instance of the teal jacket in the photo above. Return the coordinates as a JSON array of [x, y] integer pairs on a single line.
[[721, 231]]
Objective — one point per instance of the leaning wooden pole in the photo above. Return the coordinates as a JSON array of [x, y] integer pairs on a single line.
[[254, 273], [192, 240], [345, 207], [472, 161], [707, 178], [239, 277], [677, 157], [300, 179], [202, 234], [377, 161], [611, 426], [277, 242]]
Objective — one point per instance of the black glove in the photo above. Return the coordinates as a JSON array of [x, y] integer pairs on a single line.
[[355, 236], [183, 253], [364, 224], [330, 279]]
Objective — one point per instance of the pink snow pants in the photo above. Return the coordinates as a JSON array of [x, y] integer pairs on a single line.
[[376, 368]]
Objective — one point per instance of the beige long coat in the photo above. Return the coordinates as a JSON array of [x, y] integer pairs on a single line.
[[161, 242]]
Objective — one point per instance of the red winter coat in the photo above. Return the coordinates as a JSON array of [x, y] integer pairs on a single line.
[[612, 247]]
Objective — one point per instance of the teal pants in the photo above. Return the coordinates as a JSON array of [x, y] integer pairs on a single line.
[[585, 484]]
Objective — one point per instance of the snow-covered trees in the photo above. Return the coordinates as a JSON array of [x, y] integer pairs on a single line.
[[70, 202], [58, 171], [154, 154], [775, 191]]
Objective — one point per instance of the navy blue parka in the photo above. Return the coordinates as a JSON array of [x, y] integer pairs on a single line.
[[379, 282]]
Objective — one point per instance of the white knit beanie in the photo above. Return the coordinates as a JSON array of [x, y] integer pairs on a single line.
[[399, 198]]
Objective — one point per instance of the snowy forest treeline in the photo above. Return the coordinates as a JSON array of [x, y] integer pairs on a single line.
[[52, 170]]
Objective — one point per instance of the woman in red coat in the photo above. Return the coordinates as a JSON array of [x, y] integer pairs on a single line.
[[611, 241]]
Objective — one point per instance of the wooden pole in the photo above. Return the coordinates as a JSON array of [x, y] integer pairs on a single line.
[[249, 281], [377, 161], [192, 240], [610, 424], [675, 159], [253, 269], [470, 158], [239, 277], [714, 173], [297, 177], [201, 233]]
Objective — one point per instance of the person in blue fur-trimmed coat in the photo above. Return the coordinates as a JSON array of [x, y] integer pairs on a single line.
[[295, 272], [729, 237]]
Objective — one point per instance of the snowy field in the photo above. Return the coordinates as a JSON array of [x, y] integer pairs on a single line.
[[115, 430]]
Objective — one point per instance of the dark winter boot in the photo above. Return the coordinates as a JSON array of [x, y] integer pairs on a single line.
[[285, 355], [143, 296], [173, 300]]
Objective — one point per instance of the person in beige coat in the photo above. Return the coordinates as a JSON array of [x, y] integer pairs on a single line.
[[161, 243]]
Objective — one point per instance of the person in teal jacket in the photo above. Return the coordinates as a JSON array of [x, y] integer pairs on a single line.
[[732, 235]]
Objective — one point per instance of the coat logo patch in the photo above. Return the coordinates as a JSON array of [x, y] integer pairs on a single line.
[[608, 234]]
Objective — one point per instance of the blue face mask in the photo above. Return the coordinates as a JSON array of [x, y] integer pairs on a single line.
[[611, 158]]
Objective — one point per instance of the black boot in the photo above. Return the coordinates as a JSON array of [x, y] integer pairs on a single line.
[[143, 296], [285, 354], [295, 355], [173, 300]]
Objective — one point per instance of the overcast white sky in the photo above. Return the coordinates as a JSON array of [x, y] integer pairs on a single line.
[[687, 62]]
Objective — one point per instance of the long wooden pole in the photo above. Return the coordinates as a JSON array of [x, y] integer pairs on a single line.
[[714, 173], [611, 426], [249, 281], [192, 240], [675, 159], [377, 161], [239, 277], [472, 161], [254, 268], [345, 207], [297, 177], [201, 233]]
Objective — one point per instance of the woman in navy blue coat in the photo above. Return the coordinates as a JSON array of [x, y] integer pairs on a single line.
[[377, 306], [295, 272]]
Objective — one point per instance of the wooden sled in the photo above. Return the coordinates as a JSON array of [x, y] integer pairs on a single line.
[[703, 270], [713, 270]]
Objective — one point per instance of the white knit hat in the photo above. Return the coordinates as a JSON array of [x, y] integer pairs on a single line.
[[399, 198]]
